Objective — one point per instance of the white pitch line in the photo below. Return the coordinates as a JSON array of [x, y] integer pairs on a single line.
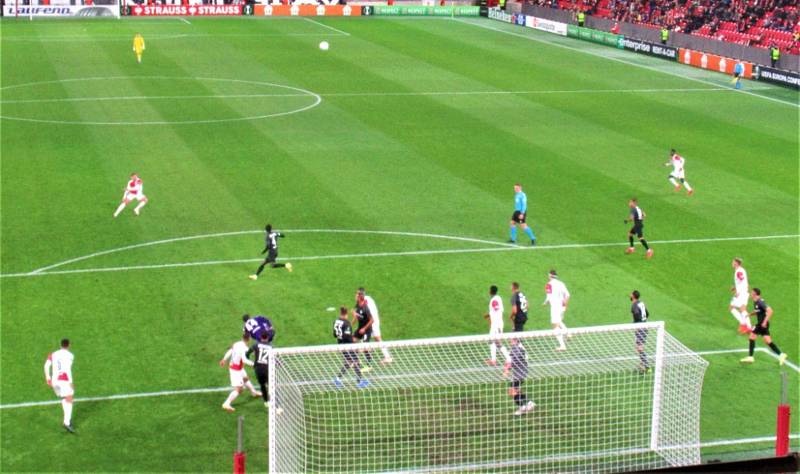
[[499, 247], [326, 26], [363, 94], [623, 61], [191, 391], [185, 20]]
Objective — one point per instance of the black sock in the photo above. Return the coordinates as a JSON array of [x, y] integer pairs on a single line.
[[368, 355], [520, 399], [264, 392], [357, 370], [774, 348], [752, 347], [278, 265], [644, 242], [630, 239], [260, 268], [643, 359]]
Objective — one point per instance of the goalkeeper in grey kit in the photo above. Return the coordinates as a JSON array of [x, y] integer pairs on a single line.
[[519, 372]]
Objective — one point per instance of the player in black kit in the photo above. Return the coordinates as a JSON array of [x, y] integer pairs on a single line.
[[519, 372], [637, 217], [271, 249], [261, 350], [640, 314], [363, 315], [343, 332], [519, 308], [763, 312]]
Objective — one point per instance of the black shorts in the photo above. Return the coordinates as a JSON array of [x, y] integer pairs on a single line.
[[515, 384], [350, 358], [366, 336], [637, 230], [519, 323], [641, 337], [518, 217], [272, 256], [262, 374], [761, 331]]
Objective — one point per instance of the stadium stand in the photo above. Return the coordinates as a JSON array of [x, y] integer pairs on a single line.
[[758, 23]]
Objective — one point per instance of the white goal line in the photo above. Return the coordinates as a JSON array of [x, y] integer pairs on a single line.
[[166, 393]]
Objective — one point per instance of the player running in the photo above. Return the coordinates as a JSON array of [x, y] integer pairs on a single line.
[[257, 326], [138, 47], [495, 317], [376, 323], [237, 355], [640, 314], [61, 379], [740, 290], [363, 314], [271, 247], [519, 372], [343, 332], [519, 308], [764, 313], [134, 190], [637, 217], [520, 215], [677, 177], [557, 296]]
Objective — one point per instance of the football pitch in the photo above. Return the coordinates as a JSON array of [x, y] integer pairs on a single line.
[[389, 162]]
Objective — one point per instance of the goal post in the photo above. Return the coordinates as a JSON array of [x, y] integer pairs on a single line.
[[602, 405]]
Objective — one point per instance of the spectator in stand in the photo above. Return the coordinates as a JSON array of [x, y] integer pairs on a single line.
[[615, 28]]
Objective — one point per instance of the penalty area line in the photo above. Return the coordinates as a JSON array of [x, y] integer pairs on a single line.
[[191, 391], [326, 26]]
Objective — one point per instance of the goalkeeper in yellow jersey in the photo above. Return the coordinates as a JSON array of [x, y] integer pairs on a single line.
[[138, 47]]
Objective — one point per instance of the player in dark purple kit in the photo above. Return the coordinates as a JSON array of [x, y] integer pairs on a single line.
[[255, 326], [763, 313]]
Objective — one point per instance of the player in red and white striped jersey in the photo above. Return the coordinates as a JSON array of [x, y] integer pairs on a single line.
[[134, 190], [237, 355], [61, 379]]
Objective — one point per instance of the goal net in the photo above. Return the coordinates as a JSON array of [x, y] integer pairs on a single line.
[[602, 405]]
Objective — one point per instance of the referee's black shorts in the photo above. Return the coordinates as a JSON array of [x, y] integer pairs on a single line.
[[518, 217]]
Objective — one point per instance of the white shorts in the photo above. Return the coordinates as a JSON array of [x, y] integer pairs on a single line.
[[740, 300], [495, 329], [237, 377], [130, 197], [556, 315], [678, 174], [62, 388], [376, 328]]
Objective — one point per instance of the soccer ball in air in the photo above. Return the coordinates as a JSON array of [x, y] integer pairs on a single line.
[[324, 46]]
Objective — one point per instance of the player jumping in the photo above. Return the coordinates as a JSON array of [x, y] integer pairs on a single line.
[[257, 326], [495, 317], [61, 380], [237, 355], [134, 190], [138, 47], [764, 313], [678, 177], [557, 296], [343, 332], [738, 306], [272, 257], [637, 217], [520, 215]]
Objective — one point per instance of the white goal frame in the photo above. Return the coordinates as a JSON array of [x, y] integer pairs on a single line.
[[674, 424]]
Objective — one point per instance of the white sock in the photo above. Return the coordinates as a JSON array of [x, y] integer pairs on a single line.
[[746, 319], [386, 353], [736, 314], [505, 353], [560, 340], [250, 387], [140, 206], [686, 185], [493, 352], [674, 183], [119, 209], [67, 406], [231, 397], [562, 326]]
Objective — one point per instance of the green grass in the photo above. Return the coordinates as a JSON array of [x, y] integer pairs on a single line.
[[375, 154]]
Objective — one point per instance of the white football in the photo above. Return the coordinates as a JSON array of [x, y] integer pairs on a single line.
[[324, 46]]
